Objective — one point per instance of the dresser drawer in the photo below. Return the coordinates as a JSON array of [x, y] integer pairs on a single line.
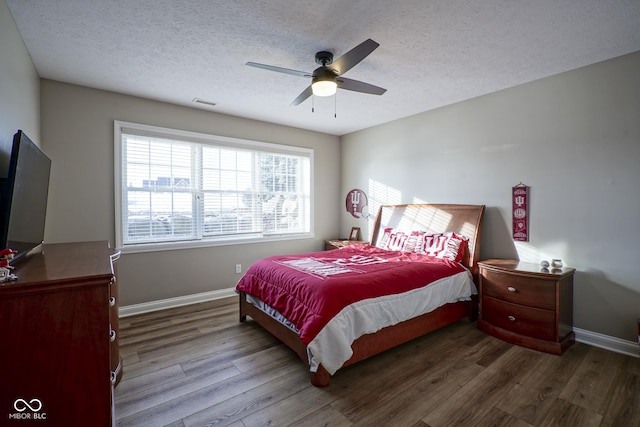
[[528, 291], [533, 322]]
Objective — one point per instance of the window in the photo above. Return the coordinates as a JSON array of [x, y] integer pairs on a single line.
[[185, 189]]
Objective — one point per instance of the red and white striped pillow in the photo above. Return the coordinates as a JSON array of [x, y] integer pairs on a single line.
[[447, 245], [393, 240]]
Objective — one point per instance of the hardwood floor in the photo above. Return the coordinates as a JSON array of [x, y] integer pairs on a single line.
[[198, 366]]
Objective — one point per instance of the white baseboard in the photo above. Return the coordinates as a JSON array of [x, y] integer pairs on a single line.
[[595, 339], [617, 345], [147, 307]]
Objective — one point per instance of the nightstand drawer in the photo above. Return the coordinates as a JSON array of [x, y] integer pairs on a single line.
[[533, 322], [528, 291]]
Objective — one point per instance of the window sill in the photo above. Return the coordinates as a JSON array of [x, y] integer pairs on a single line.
[[171, 246]]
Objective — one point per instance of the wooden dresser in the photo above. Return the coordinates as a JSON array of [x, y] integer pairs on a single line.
[[58, 326], [526, 305]]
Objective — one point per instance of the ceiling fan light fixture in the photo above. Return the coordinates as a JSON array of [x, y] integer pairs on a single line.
[[324, 87]]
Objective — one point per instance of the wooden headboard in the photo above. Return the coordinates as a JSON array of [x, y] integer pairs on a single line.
[[461, 219]]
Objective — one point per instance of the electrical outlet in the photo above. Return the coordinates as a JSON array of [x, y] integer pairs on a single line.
[[238, 268]]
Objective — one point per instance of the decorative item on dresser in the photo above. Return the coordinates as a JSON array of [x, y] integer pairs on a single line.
[[340, 243], [526, 304], [58, 323]]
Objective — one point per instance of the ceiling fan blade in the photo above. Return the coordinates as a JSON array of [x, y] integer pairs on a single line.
[[279, 69], [355, 55], [358, 86], [304, 95]]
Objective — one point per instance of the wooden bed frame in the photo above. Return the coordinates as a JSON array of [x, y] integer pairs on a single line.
[[462, 219]]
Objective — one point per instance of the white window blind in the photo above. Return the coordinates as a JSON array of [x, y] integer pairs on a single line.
[[175, 186]]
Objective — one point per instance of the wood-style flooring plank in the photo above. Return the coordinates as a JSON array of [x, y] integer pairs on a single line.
[[441, 374], [290, 407], [182, 405], [495, 417], [533, 396], [594, 379], [278, 385], [155, 392], [325, 416], [218, 347], [623, 402], [567, 414], [493, 383]]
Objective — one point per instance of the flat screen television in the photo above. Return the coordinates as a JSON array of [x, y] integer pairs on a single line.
[[23, 197]]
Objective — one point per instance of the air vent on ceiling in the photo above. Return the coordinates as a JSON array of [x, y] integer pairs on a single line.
[[204, 102]]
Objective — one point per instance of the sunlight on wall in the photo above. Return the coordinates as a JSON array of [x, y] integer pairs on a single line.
[[430, 220], [379, 194], [530, 253]]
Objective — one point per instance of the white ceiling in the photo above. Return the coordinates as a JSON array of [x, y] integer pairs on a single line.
[[432, 53]]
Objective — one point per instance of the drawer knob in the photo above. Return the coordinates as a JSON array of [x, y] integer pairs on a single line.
[[512, 289], [112, 335], [112, 301], [113, 378], [511, 318]]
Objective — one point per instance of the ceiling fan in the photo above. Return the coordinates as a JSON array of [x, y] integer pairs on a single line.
[[328, 77]]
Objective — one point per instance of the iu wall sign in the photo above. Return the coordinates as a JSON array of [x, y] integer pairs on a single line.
[[356, 202], [520, 203]]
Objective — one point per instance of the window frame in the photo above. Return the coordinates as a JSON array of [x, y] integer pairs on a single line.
[[121, 127]]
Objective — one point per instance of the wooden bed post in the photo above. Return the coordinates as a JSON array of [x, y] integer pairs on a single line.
[[321, 377], [242, 300]]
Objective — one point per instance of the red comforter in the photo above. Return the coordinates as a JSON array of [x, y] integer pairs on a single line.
[[310, 289]]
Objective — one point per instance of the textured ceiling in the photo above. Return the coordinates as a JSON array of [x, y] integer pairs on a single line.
[[431, 54]]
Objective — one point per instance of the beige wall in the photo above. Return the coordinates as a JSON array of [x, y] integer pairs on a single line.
[[77, 129], [19, 89], [573, 138]]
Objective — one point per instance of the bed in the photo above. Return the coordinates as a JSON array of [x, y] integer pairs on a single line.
[[335, 308]]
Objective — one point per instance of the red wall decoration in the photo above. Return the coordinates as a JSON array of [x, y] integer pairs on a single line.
[[520, 204], [356, 202]]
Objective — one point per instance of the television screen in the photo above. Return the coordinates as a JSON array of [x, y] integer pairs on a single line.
[[24, 197]]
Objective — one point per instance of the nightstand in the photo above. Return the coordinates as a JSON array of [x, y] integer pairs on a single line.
[[340, 243], [523, 304]]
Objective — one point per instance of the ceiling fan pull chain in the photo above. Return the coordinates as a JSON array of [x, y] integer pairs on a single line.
[[313, 104], [335, 106]]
